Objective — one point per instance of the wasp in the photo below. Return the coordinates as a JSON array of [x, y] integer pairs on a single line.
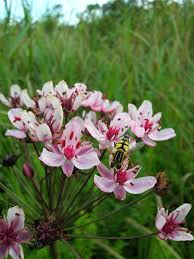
[[119, 155]]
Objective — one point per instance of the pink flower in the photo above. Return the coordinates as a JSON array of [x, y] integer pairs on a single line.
[[36, 131], [71, 151], [93, 100], [112, 108], [71, 98], [122, 181], [97, 103], [53, 118], [146, 126], [169, 226], [15, 116], [107, 135], [45, 97], [15, 100], [13, 234]]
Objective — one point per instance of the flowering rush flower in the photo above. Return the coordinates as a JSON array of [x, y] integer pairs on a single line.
[[122, 181], [15, 116], [97, 103], [15, 100], [146, 126], [71, 98], [170, 225], [70, 151], [108, 135], [13, 234]]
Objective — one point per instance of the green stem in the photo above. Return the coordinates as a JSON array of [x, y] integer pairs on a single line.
[[46, 177], [111, 213], [61, 190], [40, 197], [90, 207], [113, 238], [54, 251], [48, 188], [84, 183], [72, 249]]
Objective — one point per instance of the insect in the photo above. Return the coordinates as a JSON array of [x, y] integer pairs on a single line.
[[119, 155]]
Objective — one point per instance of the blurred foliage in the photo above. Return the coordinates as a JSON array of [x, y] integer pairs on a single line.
[[131, 52]]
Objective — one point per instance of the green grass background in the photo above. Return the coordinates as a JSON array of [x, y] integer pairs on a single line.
[[130, 53]]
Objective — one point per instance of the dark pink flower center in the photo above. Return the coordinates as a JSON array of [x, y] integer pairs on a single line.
[[112, 133], [17, 118], [121, 177], [7, 236], [15, 102], [169, 227], [67, 104], [69, 152], [148, 125]]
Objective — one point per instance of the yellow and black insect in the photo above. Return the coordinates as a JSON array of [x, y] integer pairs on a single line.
[[120, 152], [119, 156]]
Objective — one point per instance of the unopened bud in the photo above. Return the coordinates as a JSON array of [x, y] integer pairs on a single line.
[[10, 160], [162, 184], [28, 171]]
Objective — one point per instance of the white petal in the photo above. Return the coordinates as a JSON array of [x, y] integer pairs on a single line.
[[61, 88], [16, 134], [182, 236], [68, 167], [73, 131], [140, 185], [4, 101], [148, 141], [104, 184], [15, 91], [43, 133], [161, 135], [156, 118], [16, 214], [181, 212], [42, 104], [87, 160], [139, 132], [27, 99], [160, 221], [133, 172], [121, 121], [105, 172], [94, 131], [14, 254], [48, 88], [132, 110], [16, 113], [51, 158], [145, 110], [120, 192]]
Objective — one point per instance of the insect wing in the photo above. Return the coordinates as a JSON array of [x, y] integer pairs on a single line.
[[137, 147]]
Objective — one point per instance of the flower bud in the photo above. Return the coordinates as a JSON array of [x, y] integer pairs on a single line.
[[162, 184], [28, 171]]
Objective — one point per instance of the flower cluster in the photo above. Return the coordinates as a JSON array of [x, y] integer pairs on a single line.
[[78, 128]]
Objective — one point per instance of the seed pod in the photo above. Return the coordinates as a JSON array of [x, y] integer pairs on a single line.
[[28, 171], [162, 184]]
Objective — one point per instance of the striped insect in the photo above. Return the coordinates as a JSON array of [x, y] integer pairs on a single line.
[[119, 155]]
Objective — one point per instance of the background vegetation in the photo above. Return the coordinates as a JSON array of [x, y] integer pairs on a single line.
[[131, 53]]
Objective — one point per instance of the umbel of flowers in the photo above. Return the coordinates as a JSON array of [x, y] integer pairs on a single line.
[[79, 136]]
